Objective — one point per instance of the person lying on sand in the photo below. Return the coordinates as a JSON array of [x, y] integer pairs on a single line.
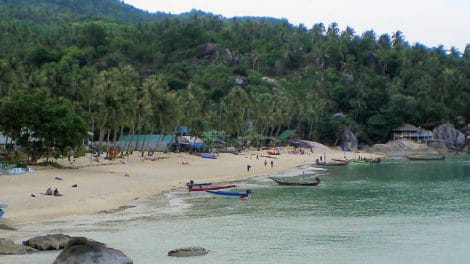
[[56, 192], [49, 191]]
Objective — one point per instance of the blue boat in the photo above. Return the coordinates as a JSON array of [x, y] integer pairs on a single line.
[[15, 171], [232, 193], [209, 155], [1, 212]]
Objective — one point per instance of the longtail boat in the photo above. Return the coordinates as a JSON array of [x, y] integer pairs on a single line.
[[232, 193], [331, 163], [425, 157], [191, 183], [366, 161], [298, 183], [209, 188]]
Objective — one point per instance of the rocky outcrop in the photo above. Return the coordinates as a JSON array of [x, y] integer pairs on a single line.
[[188, 252], [270, 81], [83, 250], [229, 58], [241, 81], [48, 242], [8, 247], [349, 139], [206, 51], [446, 135]]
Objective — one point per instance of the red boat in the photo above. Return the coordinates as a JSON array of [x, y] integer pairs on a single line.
[[274, 152], [209, 188]]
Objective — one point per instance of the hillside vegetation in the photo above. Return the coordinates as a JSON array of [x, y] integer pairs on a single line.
[[124, 70]]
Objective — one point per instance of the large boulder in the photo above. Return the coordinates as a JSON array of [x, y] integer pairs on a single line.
[[205, 51], [349, 139], [48, 242], [8, 247], [241, 81], [446, 134], [83, 250], [188, 252]]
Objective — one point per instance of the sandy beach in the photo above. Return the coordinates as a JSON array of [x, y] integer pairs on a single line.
[[107, 185]]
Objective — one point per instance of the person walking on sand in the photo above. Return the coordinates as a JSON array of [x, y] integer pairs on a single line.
[[248, 167], [272, 163], [265, 163]]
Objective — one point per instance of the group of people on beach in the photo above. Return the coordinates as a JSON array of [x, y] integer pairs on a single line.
[[56, 192], [248, 166]]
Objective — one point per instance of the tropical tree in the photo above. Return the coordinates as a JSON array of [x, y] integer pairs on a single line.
[[41, 124]]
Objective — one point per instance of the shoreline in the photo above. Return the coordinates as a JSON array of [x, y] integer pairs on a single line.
[[102, 186]]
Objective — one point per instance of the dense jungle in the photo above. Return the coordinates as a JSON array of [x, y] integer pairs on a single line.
[[75, 69]]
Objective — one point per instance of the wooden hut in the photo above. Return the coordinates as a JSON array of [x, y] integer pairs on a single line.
[[411, 132]]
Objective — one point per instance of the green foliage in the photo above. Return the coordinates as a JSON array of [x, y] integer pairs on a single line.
[[128, 71], [40, 124]]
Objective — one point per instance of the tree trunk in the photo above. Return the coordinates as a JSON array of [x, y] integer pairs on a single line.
[[100, 141]]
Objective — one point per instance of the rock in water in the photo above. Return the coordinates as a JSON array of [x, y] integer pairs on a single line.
[[8, 247], [48, 242], [83, 250], [188, 252]]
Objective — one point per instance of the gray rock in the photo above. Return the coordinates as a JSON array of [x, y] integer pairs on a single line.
[[241, 81], [188, 252], [8, 247], [349, 139], [206, 51], [83, 250], [448, 135], [48, 242]]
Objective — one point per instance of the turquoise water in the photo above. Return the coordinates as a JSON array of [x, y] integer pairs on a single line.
[[397, 211]]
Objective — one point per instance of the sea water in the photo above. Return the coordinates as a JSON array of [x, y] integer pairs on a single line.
[[396, 211]]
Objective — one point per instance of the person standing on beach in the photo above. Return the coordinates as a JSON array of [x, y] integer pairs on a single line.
[[272, 163], [248, 167], [265, 163]]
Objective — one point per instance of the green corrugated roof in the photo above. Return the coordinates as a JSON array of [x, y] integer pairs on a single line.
[[286, 134], [146, 138]]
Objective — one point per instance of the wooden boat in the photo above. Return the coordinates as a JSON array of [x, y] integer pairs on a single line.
[[376, 160], [191, 183], [425, 157], [331, 163], [298, 183], [209, 155], [232, 193], [209, 188], [273, 152], [366, 161]]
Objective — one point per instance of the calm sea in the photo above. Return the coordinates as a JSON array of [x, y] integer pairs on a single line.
[[397, 211]]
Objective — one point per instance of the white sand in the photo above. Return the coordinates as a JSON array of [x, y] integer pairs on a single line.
[[108, 185]]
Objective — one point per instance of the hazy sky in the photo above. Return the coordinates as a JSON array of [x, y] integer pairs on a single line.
[[429, 22]]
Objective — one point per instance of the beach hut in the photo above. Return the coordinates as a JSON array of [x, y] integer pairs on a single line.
[[182, 131], [190, 143], [5, 142], [142, 142], [411, 132], [287, 135]]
